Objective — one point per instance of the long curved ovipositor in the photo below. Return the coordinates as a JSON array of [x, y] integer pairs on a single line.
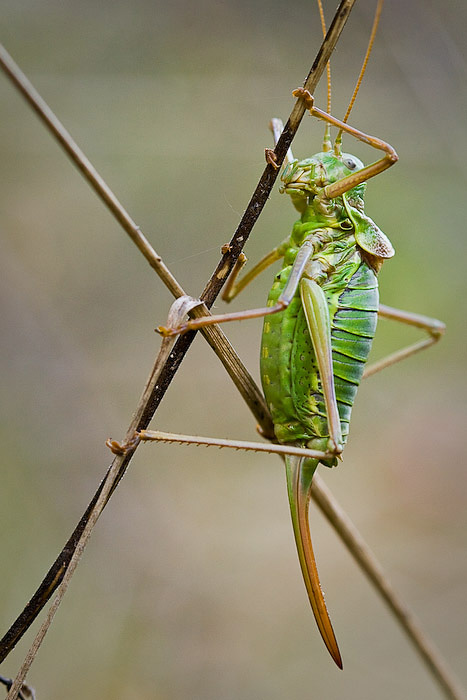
[[299, 473]]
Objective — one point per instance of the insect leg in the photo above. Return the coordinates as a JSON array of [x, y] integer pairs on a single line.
[[159, 436], [303, 255], [434, 328], [347, 183], [232, 287], [317, 316], [277, 127]]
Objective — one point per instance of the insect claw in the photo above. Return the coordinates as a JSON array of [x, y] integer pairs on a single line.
[[122, 448], [271, 158], [306, 96], [335, 449], [115, 446], [168, 332]]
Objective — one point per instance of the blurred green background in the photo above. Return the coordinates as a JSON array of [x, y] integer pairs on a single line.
[[190, 587]]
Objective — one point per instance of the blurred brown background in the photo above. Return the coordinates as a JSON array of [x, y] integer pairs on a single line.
[[190, 587]]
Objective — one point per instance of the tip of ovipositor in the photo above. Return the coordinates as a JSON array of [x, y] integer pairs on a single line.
[[338, 660], [333, 649]]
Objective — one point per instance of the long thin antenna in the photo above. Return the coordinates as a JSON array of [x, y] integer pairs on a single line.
[[374, 28], [327, 143]]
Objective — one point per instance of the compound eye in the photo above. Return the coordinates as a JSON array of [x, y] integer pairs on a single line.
[[350, 163]]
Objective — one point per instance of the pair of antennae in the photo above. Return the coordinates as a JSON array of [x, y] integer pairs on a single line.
[[327, 144]]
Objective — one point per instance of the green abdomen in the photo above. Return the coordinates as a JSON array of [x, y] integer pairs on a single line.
[[289, 372]]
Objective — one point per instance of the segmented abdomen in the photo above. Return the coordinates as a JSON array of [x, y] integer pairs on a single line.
[[288, 366], [352, 332]]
